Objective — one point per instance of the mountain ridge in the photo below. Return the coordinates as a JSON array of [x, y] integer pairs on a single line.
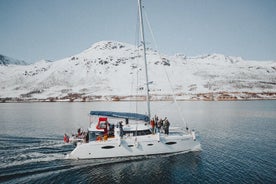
[[5, 60], [110, 70]]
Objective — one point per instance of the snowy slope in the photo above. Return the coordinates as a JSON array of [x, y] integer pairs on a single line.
[[108, 69]]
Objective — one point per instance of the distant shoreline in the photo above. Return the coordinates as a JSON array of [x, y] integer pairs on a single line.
[[21, 102], [218, 96]]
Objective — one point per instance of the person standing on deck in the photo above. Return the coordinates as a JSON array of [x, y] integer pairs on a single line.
[[121, 129], [155, 123], [66, 138], [159, 125], [166, 125], [152, 124]]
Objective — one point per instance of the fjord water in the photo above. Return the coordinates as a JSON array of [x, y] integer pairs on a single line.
[[238, 141]]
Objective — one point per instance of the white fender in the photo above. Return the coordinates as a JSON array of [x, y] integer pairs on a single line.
[[193, 134], [136, 143], [117, 135]]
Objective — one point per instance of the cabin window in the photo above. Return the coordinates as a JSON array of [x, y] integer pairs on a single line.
[[138, 132], [102, 125], [144, 132], [108, 147], [170, 143], [94, 134]]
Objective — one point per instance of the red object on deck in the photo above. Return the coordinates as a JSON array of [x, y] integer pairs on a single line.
[[100, 124], [66, 138]]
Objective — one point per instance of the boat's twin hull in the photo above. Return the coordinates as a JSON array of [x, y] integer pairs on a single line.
[[132, 147]]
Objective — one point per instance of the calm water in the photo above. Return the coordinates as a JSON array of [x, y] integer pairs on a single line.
[[238, 142]]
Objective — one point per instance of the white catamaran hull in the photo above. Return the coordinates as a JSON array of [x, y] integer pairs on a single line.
[[136, 146]]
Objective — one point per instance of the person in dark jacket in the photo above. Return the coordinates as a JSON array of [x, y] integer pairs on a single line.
[[166, 125]]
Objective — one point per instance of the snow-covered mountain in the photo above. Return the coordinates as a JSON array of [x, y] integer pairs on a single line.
[[5, 60], [110, 70]]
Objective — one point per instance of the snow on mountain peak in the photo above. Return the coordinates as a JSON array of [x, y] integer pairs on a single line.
[[108, 46], [220, 57], [110, 68]]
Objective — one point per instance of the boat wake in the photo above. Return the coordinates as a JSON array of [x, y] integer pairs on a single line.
[[25, 156], [24, 150]]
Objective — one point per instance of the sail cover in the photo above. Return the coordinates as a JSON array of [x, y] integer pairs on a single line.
[[125, 115]]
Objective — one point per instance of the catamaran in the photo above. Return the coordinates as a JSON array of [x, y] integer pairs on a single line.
[[125, 134]]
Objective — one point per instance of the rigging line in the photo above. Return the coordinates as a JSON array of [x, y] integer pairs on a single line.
[[168, 78], [151, 32], [174, 98]]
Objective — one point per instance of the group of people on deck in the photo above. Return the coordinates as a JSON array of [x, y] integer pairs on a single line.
[[160, 125], [80, 135]]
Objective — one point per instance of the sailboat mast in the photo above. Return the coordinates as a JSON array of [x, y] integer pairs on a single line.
[[145, 56]]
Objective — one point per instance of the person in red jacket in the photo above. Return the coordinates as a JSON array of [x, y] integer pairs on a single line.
[[66, 138], [152, 124]]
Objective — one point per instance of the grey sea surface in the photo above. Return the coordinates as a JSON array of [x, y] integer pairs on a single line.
[[238, 140]]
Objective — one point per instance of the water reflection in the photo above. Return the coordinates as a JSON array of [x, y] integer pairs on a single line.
[[149, 169]]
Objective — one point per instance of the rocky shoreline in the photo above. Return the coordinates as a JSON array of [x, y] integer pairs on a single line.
[[217, 96]]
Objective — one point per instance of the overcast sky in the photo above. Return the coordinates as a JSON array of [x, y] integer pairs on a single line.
[[53, 29]]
